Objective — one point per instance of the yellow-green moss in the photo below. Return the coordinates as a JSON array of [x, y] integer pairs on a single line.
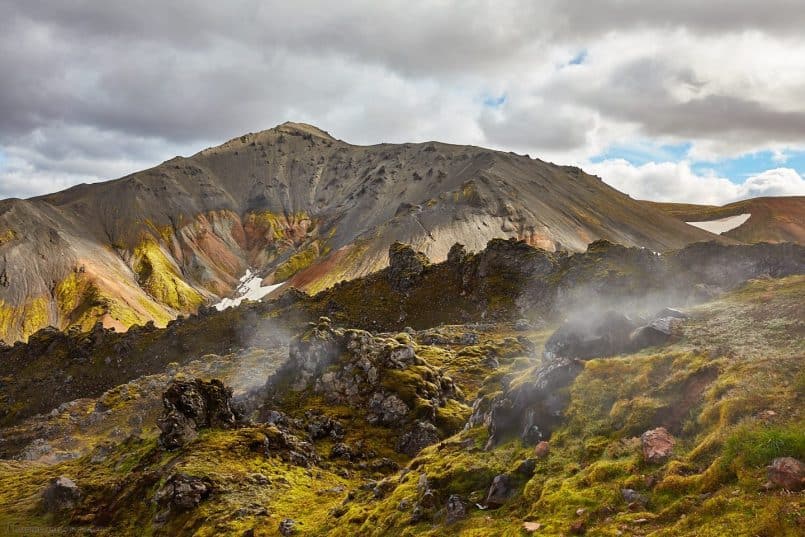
[[160, 277], [298, 261], [7, 236]]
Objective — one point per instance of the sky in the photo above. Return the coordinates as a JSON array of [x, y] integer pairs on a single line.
[[686, 101]]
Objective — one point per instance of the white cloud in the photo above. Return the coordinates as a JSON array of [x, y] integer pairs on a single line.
[[675, 181]]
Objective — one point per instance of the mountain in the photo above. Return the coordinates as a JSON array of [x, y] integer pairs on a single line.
[[292, 204], [771, 219]]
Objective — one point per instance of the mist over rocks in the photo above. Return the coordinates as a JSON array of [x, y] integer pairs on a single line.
[[381, 376]]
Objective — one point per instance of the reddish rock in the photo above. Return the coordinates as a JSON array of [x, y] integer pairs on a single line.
[[542, 449], [658, 444], [787, 473]]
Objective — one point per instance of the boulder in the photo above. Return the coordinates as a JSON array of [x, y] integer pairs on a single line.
[[499, 491], [787, 473], [542, 449], [35, 450], [456, 509], [531, 409], [61, 494], [657, 444], [633, 497], [189, 405], [183, 492], [656, 332], [591, 337], [419, 436], [287, 527], [405, 266], [386, 409]]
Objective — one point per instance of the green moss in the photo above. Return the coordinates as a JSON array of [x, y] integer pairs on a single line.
[[298, 261], [7, 236], [160, 277], [755, 445]]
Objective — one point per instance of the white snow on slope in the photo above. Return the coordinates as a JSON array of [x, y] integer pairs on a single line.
[[249, 287], [722, 225]]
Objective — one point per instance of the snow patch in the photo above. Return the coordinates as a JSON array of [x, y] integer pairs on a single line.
[[722, 225], [249, 287]]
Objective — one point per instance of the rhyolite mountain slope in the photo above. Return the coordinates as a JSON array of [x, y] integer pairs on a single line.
[[292, 203], [773, 219]]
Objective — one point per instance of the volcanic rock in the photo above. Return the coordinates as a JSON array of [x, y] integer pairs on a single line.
[[61, 494]]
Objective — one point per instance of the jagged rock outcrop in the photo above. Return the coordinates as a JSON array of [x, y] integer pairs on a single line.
[[384, 376], [530, 409], [61, 494], [405, 266], [500, 490], [418, 437], [190, 405], [182, 492]]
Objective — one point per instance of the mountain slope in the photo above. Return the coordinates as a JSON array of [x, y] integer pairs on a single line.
[[780, 219], [291, 203]]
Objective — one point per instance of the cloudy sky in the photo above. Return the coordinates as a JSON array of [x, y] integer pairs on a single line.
[[681, 101]]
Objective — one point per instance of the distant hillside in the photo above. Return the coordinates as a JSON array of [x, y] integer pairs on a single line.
[[779, 219], [293, 204]]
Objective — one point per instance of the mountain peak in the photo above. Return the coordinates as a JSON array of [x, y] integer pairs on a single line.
[[304, 128]]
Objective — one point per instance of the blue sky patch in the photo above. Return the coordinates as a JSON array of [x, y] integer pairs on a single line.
[[736, 170], [579, 58], [495, 102], [643, 153], [739, 169]]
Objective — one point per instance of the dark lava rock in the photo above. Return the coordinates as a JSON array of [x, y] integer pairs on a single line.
[[320, 426], [61, 494], [192, 405], [280, 443], [457, 254], [655, 333], [182, 492], [530, 409], [633, 497], [419, 436], [405, 266], [787, 473], [341, 451], [527, 467], [591, 337], [500, 491], [384, 465], [456, 509]]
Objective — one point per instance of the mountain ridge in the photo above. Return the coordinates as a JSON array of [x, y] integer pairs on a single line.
[[773, 218], [294, 204]]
